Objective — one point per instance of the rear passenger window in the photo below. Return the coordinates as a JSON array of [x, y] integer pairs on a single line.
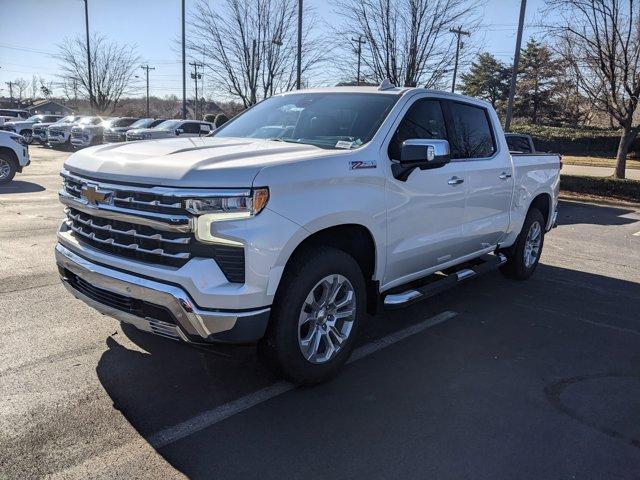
[[518, 144], [472, 137], [424, 120]]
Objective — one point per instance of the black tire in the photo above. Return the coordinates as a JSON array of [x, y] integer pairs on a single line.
[[517, 266], [8, 168], [281, 344], [28, 136]]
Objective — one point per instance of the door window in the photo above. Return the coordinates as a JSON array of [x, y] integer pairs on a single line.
[[424, 120], [190, 127], [205, 129], [472, 136], [518, 143]]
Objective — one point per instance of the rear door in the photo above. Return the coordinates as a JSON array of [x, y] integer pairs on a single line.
[[489, 178]]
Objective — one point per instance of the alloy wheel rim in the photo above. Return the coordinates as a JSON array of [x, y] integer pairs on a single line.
[[532, 244], [5, 169], [27, 137], [326, 318]]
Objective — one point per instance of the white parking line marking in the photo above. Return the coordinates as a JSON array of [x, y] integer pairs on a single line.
[[206, 419], [637, 234]]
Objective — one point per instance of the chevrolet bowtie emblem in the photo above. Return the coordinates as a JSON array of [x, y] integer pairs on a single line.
[[94, 196]]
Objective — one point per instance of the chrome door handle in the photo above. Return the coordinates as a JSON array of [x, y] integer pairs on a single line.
[[504, 176], [455, 181]]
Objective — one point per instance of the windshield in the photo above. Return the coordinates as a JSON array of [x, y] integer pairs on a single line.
[[142, 123], [169, 124], [123, 122], [67, 119], [327, 120]]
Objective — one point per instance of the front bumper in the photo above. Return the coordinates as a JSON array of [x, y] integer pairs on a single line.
[[57, 139], [137, 301], [84, 141]]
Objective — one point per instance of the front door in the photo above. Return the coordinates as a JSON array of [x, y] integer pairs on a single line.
[[425, 213]]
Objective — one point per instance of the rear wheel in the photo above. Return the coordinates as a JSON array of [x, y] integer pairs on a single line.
[[7, 169], [524, 255], [316, 316]]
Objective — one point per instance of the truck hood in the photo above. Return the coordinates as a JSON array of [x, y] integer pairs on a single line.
[[196, 162], [153, 132], [20, 124]]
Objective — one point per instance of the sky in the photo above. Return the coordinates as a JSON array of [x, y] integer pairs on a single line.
[[30, 30]]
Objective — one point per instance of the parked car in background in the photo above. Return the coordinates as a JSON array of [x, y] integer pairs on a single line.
[[59, 133], [119, 128], [14, 155], [12, 114], [172, 128], [39, 130], [88, 131], [25, 127], [141, 124], [365, 196]]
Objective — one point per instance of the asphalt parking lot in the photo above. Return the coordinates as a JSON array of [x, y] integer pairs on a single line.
[[495, 379]]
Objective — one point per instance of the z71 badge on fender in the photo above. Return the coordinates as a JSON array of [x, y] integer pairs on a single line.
[[358, 164]]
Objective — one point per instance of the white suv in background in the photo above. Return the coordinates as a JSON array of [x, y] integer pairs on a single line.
[[25, 127], [39, 130], [14, 155], [172, 128]]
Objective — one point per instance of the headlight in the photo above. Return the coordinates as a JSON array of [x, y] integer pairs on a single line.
[[218, 209]]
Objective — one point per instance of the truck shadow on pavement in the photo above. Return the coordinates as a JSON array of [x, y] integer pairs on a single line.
[[572, 213], [20, 186], [496, 381]]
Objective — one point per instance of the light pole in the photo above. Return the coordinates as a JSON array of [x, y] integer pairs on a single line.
[[196, 76], [184, 70], [514, 70], [459, 32], [86, 22], [299, 67], [146, 68]]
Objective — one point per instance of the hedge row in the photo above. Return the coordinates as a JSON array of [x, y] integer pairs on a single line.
[[595, 142], [604, 186]]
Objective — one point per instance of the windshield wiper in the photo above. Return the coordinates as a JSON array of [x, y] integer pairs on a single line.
[[278, 139]]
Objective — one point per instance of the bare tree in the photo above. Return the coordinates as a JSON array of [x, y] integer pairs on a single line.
[[249, 46], [407, 41], [20, 86], [601, 40], [113, 67]]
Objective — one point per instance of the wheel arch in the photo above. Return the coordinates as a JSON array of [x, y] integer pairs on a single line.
[[352, 238], [542, 202], [11, 154]]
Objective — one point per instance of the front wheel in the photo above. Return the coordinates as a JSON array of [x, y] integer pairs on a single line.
[[7, 169], [28, 136], [316, 316], [524, 255]]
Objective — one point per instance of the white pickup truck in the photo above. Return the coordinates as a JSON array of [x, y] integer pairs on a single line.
[[294, 219]]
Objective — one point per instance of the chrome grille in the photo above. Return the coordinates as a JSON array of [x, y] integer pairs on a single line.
[[148, 224]]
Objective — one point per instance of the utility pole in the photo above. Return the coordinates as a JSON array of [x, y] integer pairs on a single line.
[[299, 67], [146, 68], [86, 21], [10, 84], [514, 70], [196, 76], [184, 70], [360, 42], [458, 32]]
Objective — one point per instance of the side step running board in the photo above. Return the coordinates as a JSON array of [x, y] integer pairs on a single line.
[[443, 281]]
